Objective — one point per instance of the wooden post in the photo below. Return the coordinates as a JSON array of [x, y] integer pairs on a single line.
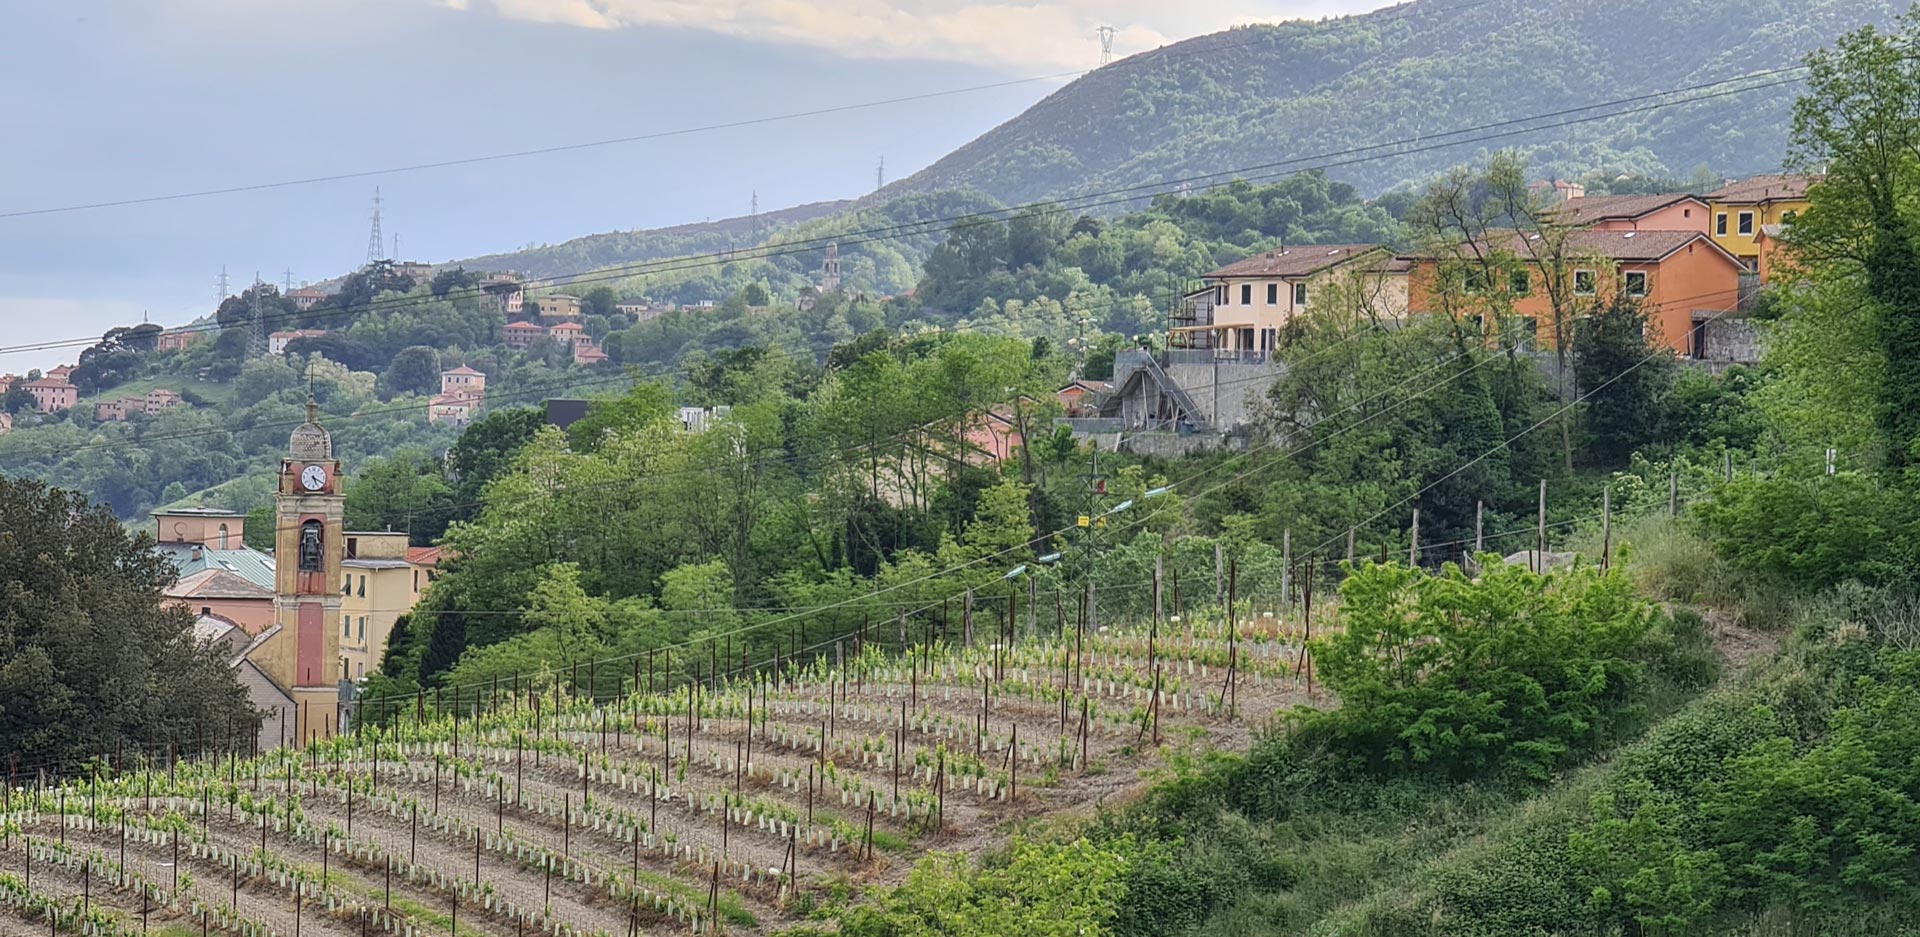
[[1286, 569], [1540, 532], [1479, 527], [1673, 493], [1219, 573], [1350, 535], [1413, 542], [1606, 527]]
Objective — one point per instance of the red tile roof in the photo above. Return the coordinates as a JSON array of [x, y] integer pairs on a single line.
[[1294, 261], [424, 556], [1596, 208], [1765, 188]]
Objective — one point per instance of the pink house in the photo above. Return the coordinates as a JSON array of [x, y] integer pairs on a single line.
[[570, 333], [51, 395], [520, 334], [1669, 212], [587, 353], [463, 380], [990, 436]]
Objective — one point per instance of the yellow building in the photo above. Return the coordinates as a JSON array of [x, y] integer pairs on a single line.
[[1245, 305], [1743, 210], [378, 585]]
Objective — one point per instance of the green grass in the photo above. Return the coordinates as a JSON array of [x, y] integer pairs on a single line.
[[212, 391]]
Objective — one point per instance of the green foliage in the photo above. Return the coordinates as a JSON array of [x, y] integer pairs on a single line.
[[1041, 888], [1623, 379], [415, 370], [1515, 671], [1815, 532], [89, 660]]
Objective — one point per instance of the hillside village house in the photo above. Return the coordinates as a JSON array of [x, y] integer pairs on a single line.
[[219, 573], [306, 297], [53, 394], [150, 403], [463, 394], [1743, 210], [1681, 278], [569, 334], [1556, 191], [588, 354], [1080, 397], [557, 306], [277, 342], [7, 381], [521, 335], [1245, 304], [62, 373], [177, 339]]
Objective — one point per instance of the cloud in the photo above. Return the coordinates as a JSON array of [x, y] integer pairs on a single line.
[[1017, 35]]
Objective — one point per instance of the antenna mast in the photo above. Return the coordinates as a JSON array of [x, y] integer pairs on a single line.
[[375, 242]]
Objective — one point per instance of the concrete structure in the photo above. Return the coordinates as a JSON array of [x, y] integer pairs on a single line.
[[1245, 304], [700, 419], [558, 306], [277, 341], [571, 334], [588, 354], [177, 339], [1741, 210], [642, 312], [463, 380], [204, 527], [1678, 277], [520, 335], [453, 409], [52, 394], [505, 289], [1670, 212], [378, 585], [150, 404]]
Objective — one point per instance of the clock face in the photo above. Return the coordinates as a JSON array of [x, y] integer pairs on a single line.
[[313, 478]]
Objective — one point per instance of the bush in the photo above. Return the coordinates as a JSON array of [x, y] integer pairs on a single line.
[[1514, 671], [1812, 534]]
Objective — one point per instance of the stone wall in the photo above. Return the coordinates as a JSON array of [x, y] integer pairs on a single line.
[[1226, 393]]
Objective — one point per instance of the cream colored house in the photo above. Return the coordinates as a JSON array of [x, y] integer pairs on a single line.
[[1240, 313]]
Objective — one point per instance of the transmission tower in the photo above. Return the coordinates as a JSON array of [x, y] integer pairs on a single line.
[[375, 242], [257, 320], [220, 287], [753, 214], [396, 246], [1106, 44], [880, 175], [289, 281]]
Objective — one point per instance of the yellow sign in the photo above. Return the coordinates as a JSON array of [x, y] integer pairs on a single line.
[[1086, 521]]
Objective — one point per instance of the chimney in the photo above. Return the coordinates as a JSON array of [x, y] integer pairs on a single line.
[[196, 552]]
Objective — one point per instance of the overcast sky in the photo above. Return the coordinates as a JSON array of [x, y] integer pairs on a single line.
[[124, 99]]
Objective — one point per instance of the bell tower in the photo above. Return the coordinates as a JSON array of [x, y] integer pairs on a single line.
[[310, 514]]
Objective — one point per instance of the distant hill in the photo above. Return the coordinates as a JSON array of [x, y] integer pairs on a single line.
[[595, 251], [1261, 94]]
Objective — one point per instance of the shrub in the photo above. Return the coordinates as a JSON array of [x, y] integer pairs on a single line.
[[1814, 533], [1513, 671]]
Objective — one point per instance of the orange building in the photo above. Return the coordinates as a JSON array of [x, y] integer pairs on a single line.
[[1681, 279], [1669, 212]]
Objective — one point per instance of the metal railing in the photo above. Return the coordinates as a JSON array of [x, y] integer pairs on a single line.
[[1173, 356]]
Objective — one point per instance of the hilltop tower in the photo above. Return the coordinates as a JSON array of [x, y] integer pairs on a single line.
[[376, 244], [830, 270], [302, 654]]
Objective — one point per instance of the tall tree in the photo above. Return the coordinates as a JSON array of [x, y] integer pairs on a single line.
[[1860, 122], [90, 662], [1623, 379]]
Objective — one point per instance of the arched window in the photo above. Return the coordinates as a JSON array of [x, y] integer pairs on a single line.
[[311, 560], [223, 536]]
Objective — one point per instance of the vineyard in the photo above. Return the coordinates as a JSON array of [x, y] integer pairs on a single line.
[[728, 803]]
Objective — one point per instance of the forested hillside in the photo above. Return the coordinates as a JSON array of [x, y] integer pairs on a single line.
[[1256, 95]]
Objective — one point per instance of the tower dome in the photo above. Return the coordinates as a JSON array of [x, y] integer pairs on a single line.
[[310, 441]]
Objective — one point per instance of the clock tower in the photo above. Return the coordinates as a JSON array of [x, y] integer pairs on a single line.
[[310, 514]]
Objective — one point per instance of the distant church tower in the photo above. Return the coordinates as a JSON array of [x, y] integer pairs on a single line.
[[310, 510], [830, 271]]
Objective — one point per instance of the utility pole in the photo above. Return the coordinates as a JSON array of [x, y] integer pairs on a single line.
[[1106, 44], [375, 242]]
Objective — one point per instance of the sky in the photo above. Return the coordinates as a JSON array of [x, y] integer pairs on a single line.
[[111, 100]]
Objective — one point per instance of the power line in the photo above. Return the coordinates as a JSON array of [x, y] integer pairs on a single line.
[[1121, 195], [1160, 56]]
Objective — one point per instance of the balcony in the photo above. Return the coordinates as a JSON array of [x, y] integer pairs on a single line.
[[1208, 356]]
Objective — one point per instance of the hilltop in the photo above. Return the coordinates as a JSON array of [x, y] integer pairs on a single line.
[[1260, 94]]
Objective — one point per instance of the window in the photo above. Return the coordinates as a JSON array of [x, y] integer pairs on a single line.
[[1273, 294], [1720, 224], [353, 547], [1746, 223], [363, 587], [1786, 217], [1220, 295], [346, 585], [223, 536], [1636, 283], [1475, 281], [311, 558], [1583, 283], [1686, 213], [1269, 339], [416, 580], [363, 627], [1520, 283], [346, 626], [1246, 294], [1299, 294]]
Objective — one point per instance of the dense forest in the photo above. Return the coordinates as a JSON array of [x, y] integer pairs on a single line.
[[1257, 95]]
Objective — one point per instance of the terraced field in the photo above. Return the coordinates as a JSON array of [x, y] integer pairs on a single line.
[[718, 806]]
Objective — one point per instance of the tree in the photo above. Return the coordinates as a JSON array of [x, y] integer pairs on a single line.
[[93, 662], [485, 449], [453, 278], [755, 295], [403, 492], [1860, 119], [415, 370], [1622, 377]]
